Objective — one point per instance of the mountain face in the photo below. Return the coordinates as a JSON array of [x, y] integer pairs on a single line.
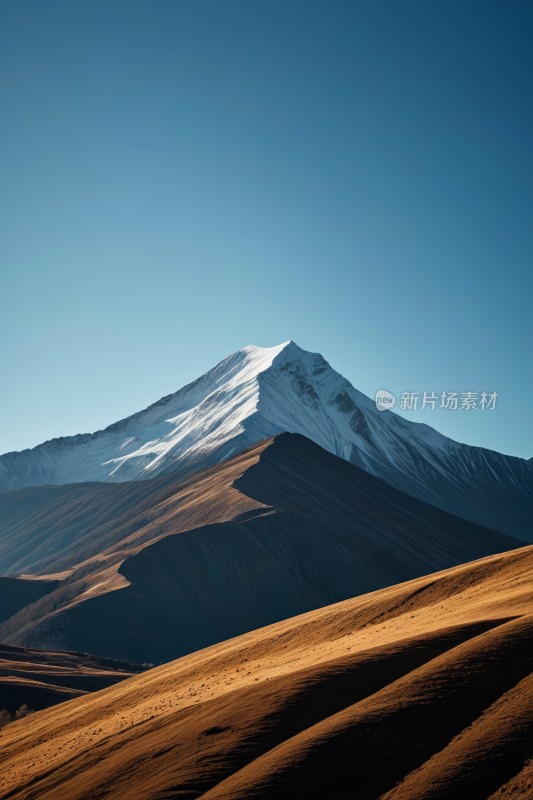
[[276, 531], [257, 393]]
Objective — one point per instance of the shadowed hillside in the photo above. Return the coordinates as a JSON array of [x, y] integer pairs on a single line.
[[17, 593], [422, 690], [39, 679], [277, 531]]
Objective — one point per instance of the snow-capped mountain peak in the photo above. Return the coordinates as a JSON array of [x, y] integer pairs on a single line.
[[258, 392]]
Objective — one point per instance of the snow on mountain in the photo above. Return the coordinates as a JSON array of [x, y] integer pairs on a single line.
[[259, 392]]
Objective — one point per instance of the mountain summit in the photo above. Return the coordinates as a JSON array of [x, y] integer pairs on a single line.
[[259, 392]]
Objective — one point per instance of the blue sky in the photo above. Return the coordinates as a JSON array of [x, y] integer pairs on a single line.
[[182, 177]]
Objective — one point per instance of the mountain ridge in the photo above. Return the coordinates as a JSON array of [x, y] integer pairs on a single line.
[[278, 530]]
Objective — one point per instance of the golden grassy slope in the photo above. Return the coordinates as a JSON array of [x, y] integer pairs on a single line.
[[422, 690]]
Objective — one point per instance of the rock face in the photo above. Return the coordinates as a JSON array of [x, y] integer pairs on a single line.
[[260, 392]]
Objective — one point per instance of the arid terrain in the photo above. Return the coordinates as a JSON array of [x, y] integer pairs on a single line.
[[151, 570], [38, 679], [422, 690]]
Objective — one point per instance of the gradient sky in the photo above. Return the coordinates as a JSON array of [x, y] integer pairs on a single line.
[[180, 178]]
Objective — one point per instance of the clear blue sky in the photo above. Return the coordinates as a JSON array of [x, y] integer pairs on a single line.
[[180, 178]]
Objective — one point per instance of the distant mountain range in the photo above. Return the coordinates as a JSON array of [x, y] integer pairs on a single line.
[[257, 393], [38, 679]]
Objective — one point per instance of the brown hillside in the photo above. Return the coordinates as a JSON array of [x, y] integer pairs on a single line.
[[422, 690]]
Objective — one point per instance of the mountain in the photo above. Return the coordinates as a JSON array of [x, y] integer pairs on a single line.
[[422, 690], [39, 679], [259, 392], [278, 530], [16, 593]]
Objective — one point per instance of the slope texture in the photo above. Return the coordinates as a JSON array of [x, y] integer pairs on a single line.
[[420, 690]]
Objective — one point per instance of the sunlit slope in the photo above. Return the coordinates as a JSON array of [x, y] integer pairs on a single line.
[[419, 690]]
